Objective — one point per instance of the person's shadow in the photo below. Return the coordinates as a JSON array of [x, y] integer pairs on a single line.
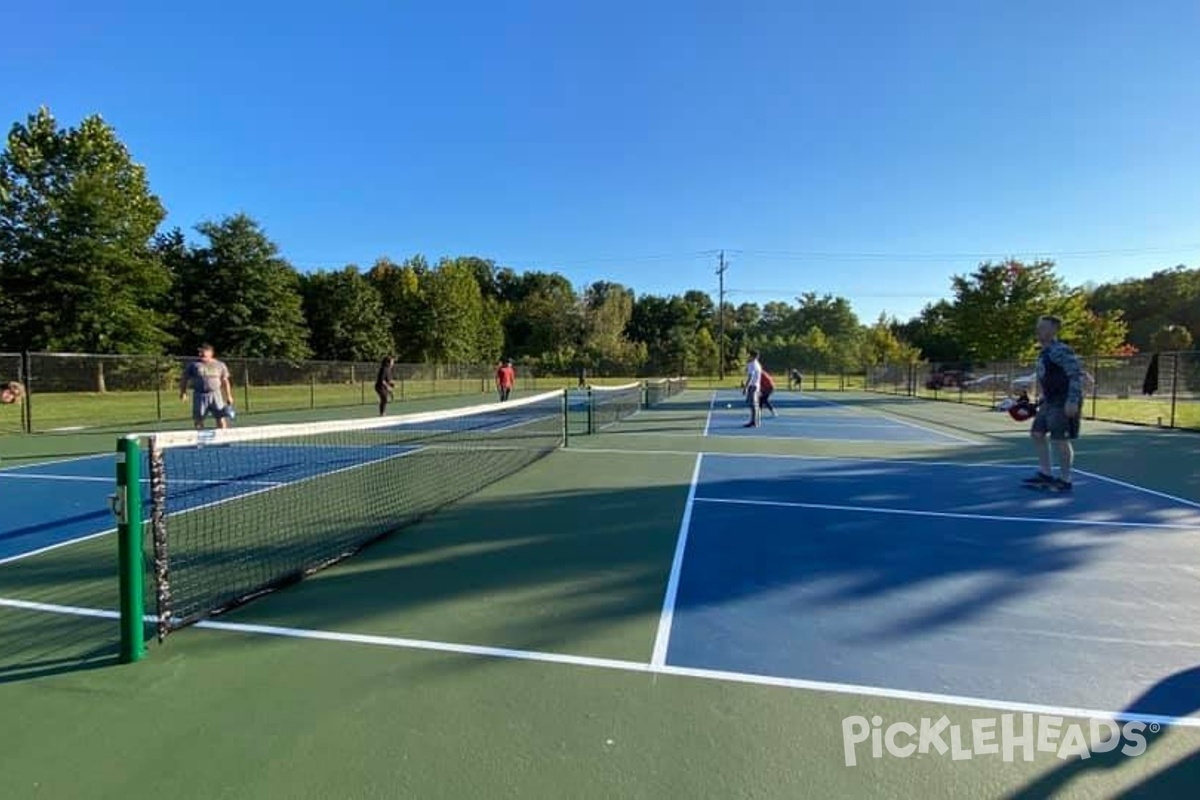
[[1174, 696]]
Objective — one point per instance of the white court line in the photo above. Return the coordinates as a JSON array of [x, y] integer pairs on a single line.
[[662, 639], [948, 514], [95, 479], [1137, 488], [799, 457], [843, 439], [906, 461], [641, 667], [712, 401], [54, 462]]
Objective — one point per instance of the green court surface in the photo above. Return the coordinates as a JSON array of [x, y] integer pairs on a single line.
[[505, 647]]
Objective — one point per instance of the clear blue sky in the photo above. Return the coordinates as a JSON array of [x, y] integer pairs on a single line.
[[631, 140]]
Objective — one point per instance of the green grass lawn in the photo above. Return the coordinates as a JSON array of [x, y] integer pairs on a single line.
[[91, 410]]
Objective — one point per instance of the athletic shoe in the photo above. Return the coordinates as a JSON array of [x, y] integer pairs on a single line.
[[1059, 485], [1040, 479]]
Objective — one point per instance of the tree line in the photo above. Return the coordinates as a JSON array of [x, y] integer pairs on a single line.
[[86, 267]]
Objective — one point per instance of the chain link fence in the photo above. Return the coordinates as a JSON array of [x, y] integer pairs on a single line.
[[1161, 390], [73, 391]]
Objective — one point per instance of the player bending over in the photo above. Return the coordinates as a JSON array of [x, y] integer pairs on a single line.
[[1060, 384], [767, 389]]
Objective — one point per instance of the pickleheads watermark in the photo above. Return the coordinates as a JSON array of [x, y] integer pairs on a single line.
[[1009, 736]]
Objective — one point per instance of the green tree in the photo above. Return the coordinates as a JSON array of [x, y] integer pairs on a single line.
[[814, 350], [607, 311], [404, 304], [543, 314], [77, 269], [455, 313], [345, 316], [1171, 338], [1166, 297], [1098, 334], [491, 330], [996, 308], [706, 353], [879, 344], [238, 293], [932, 334]]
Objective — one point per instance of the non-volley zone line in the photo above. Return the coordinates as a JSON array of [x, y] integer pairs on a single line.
[[912, 512], [621, 665]]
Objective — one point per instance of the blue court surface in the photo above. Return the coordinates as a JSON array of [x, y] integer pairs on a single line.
[[939, 579], [49, 505], [807, 417]]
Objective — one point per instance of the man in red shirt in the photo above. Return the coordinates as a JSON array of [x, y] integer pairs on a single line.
[[506, 376], [767, 388]]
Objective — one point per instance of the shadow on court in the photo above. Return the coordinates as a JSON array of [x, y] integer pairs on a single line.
[[1178, 695]]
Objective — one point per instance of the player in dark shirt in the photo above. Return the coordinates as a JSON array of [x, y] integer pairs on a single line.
[[384, 383], [1060, 384]]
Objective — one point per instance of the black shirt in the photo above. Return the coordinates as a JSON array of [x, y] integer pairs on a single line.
[[384, 378]]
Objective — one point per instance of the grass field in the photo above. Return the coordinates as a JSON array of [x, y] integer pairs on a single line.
[[508, 646], [79, 410]]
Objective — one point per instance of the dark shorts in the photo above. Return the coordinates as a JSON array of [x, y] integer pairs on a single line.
[[383, 391], [1052, 419], [752, 396], [206, 403]]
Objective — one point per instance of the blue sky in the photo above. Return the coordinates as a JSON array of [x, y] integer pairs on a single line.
[[870, 149]]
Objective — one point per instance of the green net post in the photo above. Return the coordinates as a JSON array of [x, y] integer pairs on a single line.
[[591, 412], [127, 505]]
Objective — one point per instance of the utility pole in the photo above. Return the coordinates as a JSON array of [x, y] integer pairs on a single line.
[[721, 316]]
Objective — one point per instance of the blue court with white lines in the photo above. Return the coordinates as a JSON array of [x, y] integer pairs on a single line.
[[53, 504], [801, 416], [938, 579]]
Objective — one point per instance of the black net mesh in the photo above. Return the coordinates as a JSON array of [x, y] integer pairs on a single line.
[[236, 513]]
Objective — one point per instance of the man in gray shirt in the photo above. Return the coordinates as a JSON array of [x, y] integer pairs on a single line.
[[212, 392]]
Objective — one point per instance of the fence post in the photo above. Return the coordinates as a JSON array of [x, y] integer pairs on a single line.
[[27, 406], [1174, 385], [246, 386], [158, 382], [312, 391], [1095, 384]]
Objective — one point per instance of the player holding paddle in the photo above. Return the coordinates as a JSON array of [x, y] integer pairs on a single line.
[[1060, 385]]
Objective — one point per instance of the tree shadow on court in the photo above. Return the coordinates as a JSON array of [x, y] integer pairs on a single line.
[[36, 644], [1177, 695], [584, 571]]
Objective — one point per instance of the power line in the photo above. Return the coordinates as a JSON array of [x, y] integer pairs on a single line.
[[796, 255], [721, 315]]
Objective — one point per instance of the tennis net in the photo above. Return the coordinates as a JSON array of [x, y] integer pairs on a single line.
[[608, 405], [236, 513], [665, 389]]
